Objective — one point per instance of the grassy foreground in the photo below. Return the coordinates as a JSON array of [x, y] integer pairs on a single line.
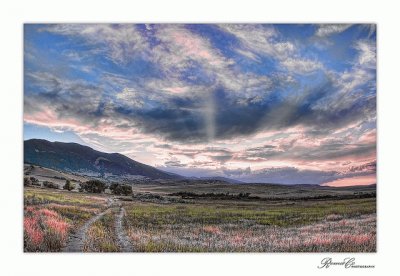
[[210, 225]]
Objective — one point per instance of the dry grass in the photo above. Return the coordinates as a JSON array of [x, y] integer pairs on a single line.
[[349, 235], [328, 226], [201, 226], [101, 236]]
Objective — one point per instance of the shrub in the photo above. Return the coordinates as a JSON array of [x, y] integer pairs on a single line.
[[93, 186], [27, 181], [120, 189], [34, 181], [68, 185], [50, 185], [241, 195]]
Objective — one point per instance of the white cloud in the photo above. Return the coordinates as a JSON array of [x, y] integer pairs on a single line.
[[121, 42], [259, 40], [130, 97], [302, 66], [253, 37], [265, 41], [325, 30], [180, 47], [248, 54], [367, 54]]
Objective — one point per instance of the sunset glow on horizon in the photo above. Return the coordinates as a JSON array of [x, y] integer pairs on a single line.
[[352, 181]]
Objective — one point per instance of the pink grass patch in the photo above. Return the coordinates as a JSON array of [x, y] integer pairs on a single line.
[[361, 239], [212, 229], [48, 213], [135, 237], [44, 229], [319, 240], [30, 209], [237, 239], [59, 226], [33, 230]]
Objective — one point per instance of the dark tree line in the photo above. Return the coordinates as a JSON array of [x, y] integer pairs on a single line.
[[91, 186]]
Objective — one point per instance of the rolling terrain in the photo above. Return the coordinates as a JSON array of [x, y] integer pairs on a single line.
[[69, 221], [168, 213], [83, 160]]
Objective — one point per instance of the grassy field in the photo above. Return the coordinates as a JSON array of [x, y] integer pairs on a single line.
[[343, 226], [271, 219]]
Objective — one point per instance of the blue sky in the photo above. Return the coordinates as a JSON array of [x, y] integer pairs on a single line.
[[256, 102]]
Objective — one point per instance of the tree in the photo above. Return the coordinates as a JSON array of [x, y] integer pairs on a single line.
[[34, 181], [113, 187], [50, 185], [93, 186], [120, 189], [68, 185], [27, 181]]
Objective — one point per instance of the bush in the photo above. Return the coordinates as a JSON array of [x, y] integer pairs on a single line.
[[120, 189], [49, 184], [68, 185], [27, 181], [93, 186], [34, 181]]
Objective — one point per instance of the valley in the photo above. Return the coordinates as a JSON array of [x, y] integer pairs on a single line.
[[201, 217], [119, 205]]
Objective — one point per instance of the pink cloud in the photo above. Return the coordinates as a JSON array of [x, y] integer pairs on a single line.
[[49, 118], [176, 89], [368, 137], [194, 46]]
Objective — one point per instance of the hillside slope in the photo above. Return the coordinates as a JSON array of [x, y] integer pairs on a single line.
[[73, 157]]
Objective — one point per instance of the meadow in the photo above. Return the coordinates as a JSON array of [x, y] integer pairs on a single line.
[[168, 221], [347, 226]]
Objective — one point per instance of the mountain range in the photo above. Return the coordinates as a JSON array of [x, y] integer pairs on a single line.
[[76, 158]]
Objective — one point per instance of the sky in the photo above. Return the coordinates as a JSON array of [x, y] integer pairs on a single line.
[[290, 104]]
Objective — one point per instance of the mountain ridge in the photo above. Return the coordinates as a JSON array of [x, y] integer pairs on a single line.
[[74, 157]]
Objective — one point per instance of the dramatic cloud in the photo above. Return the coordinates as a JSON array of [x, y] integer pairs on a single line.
[[249, 101]]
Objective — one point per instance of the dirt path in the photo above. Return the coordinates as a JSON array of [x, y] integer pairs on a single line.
[[123, 240], [76, 241]]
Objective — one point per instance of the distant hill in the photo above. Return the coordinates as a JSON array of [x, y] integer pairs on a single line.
[[75, 158], [221, 178]]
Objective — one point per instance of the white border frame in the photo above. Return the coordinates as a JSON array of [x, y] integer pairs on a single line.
[[14, 14]]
